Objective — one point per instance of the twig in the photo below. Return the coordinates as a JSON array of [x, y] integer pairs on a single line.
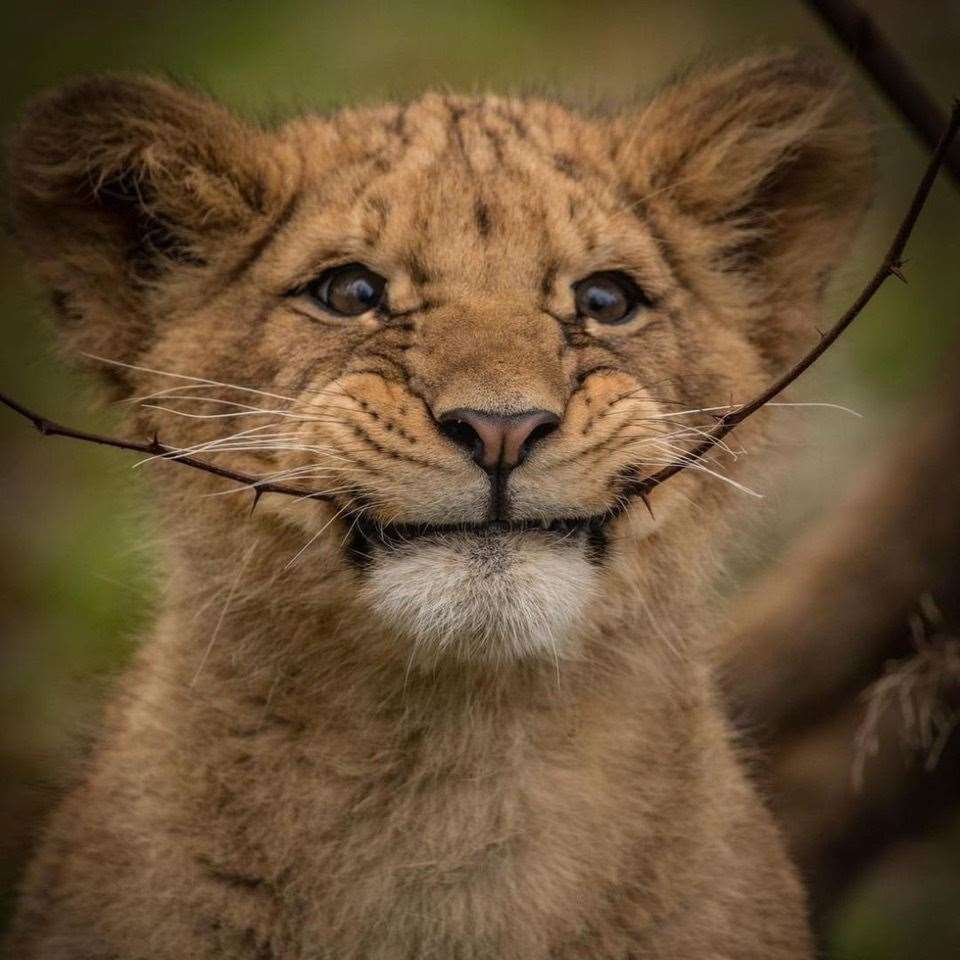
[[854, 29], [50, 428], [892, 266]]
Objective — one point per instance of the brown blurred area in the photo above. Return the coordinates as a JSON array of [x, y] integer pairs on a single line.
[[857, 537]]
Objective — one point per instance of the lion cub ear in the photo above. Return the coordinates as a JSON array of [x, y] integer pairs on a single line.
[[771, 158], [118, 182]]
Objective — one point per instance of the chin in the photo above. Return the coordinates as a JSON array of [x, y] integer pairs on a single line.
[[486, 593]]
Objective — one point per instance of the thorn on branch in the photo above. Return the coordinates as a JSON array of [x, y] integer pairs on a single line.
[[896, 270]]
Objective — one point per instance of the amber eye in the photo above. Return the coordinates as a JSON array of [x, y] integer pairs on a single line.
[[609, 297], [348, 290]]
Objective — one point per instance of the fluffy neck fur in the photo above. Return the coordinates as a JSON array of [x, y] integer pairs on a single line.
[[462, 794]]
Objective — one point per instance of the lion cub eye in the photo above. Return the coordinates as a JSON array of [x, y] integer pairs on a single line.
[[609, 297], [348, 290]]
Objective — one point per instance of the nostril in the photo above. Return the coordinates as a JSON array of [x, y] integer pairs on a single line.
[[540, 432], [461, 433]]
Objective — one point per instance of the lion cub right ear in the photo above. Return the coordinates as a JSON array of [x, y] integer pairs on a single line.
[[118, 184]]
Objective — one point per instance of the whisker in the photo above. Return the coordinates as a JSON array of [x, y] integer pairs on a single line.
[[815, 403], [183, 376], [223, 612], [248, 412], [317, 535]]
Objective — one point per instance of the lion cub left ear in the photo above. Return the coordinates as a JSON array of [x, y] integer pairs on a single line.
[[118, 182], [768, 162]]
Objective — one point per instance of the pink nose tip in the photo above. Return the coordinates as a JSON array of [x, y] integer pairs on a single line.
[[495, 441]]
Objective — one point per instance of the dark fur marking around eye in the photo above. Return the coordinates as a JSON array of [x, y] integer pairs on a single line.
[[481, 215], [573, 206], [643, 213], [405, 326], [260, 246], [549, 278], [575, 337], [379, 206], [563, 321], [417, 269]]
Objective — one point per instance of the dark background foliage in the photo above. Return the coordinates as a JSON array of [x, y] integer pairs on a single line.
[[75, 585]]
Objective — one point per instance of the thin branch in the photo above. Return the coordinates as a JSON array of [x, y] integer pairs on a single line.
[[854, 29], [892, 266], [50, 428]]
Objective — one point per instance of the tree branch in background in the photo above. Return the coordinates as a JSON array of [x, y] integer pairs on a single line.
[[50, 428], [891, 266], [866, 44], [813, 636]]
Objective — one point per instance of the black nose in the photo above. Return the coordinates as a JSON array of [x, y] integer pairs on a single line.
[[495, 441]]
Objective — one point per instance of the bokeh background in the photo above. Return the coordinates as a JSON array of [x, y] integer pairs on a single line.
[[75, 583]]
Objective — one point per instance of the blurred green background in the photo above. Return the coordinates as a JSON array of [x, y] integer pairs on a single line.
[[75, 585]]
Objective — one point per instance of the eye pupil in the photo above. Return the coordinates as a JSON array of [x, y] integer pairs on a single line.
[[349, 290], [611, 297], [603, 300]]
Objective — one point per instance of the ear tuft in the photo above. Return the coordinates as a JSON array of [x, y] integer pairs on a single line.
[[114, 181], [773, 152]]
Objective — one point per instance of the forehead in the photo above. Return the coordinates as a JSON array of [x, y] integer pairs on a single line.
[[486, 189]]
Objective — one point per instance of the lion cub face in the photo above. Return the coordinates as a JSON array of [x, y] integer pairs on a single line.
[[466, 321]]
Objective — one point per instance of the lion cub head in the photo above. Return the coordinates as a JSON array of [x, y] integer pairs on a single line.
[[466, 321]]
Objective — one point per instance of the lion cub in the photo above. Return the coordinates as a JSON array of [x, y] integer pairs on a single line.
[[460, 703]]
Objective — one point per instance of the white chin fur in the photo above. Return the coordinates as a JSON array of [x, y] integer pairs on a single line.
[[493, 598]]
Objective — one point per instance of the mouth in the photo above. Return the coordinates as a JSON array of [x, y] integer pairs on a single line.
[[369, 533]]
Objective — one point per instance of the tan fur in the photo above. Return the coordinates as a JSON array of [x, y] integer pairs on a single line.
[[501, 747]]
